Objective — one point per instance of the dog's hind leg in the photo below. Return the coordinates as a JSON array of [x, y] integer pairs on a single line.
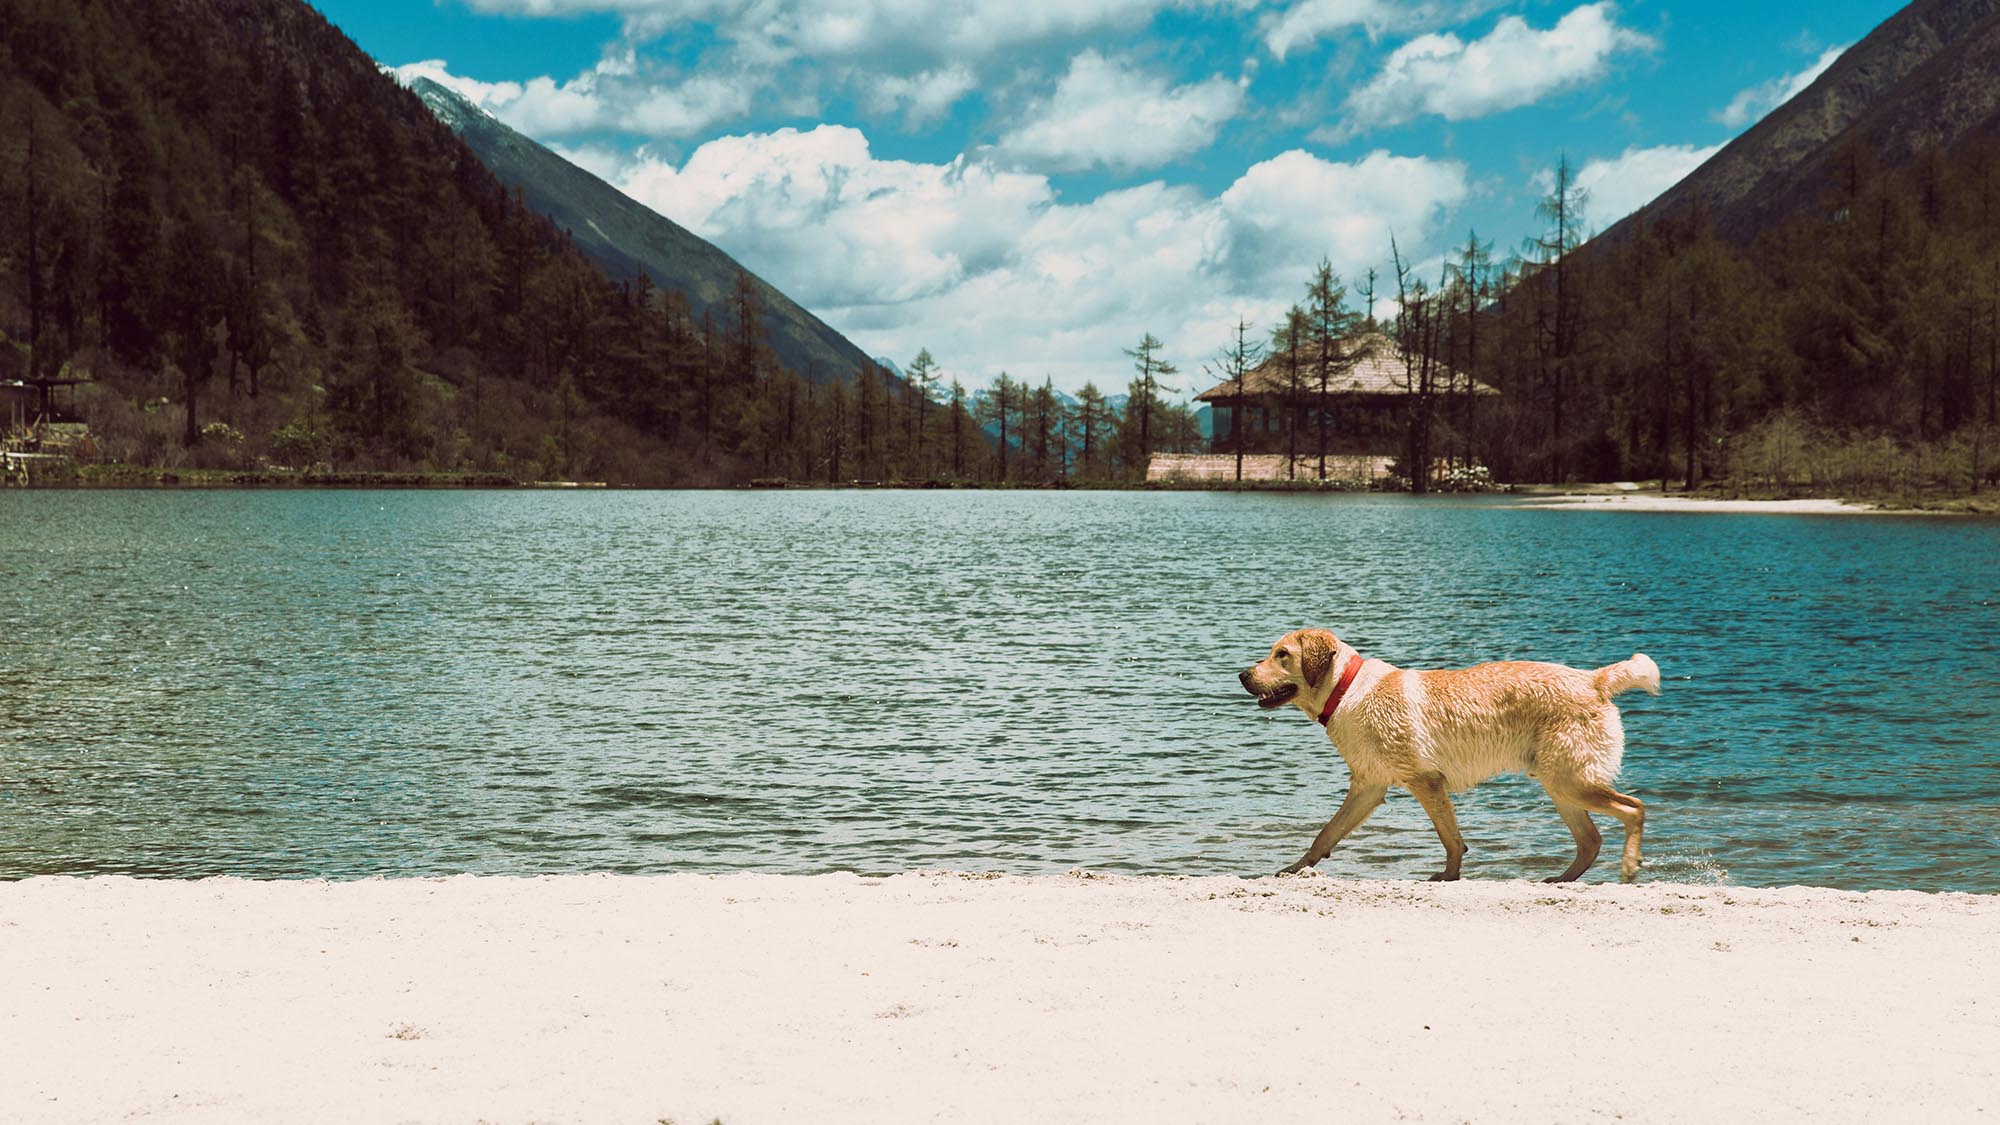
[[1430, 793], [1630, 811], [1587, 839], [1359, 802]]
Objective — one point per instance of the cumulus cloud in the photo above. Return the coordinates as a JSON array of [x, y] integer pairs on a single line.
[[599, 160], [832, 225], [1107, 113], [1511, 66], [1753, 103], [852, 28], [990, 267], [1305, 22], [920, 98], [1619, 185], [686, 108], [1346, 211], [612, 95]]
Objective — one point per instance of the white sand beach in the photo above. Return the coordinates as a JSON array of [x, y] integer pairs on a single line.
[[1655, 502], [944, 997]]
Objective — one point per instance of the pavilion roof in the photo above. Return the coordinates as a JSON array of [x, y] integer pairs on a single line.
[[1379, 370]]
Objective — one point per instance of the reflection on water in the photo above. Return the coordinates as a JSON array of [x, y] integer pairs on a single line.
[[344, 683]]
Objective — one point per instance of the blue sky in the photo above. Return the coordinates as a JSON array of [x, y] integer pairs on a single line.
[[1030, 185]]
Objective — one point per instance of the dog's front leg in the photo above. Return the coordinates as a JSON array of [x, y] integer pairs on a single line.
[[1359, 802], [1430, 793]]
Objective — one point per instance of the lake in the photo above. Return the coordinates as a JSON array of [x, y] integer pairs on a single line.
[[345, 684]]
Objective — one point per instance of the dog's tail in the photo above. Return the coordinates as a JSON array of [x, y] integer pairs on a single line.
[[1639, 672]]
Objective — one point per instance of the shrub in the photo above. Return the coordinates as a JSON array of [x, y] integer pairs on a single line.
[[299, 443]]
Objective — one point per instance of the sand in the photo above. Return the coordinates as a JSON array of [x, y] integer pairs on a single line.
[[1654, 502], [942, 997]]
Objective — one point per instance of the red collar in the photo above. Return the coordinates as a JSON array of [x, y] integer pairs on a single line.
[[1340, 689]]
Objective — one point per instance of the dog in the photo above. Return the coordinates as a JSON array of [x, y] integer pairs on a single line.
[[1443, 731]]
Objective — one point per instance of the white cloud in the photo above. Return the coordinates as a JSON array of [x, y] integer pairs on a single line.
[[1106, 113], [829, 224], [1619, 185], [1753, 103], [989, 268], [872, 28], [688, 108], [479, 93], [956, 29], [612, 95], [1306, 22], [1511, 66], [920, 98], [600, 161], [1295, 206]]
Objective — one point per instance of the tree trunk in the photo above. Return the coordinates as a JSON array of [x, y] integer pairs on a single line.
[[192, 433]]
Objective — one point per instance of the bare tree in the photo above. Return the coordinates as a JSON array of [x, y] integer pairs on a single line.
[[1234, 366], [1419, 324], [1286, 341], [1470, 279], [1561, 322]]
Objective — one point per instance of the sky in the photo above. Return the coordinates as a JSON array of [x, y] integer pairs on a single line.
[[1031, 186]]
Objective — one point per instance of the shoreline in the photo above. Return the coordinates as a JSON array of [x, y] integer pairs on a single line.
[[966, 997], [1655, 502], [1602, 496]]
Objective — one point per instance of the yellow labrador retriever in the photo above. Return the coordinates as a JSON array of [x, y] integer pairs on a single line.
[[1435, 732]]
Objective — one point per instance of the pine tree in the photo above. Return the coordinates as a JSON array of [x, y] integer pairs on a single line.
[[1333, 326], [922, 378], [1093, 418], [1143, 402]]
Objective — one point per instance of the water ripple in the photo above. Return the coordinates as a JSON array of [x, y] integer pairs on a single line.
[[346, 684]]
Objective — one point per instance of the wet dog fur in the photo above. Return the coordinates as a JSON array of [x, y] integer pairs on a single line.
[[1443, 731]]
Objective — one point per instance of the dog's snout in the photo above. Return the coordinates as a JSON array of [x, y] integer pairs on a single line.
[[1243, 678]]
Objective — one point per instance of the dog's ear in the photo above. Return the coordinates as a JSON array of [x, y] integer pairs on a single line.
[[1317, 648]]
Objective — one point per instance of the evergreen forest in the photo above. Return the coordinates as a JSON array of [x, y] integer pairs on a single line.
[[228, 241]]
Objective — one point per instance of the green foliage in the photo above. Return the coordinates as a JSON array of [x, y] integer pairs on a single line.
[[300, 443]]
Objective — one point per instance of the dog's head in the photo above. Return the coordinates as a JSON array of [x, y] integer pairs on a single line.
[[1299, 661]]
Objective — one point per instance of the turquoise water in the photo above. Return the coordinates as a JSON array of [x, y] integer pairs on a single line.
[[342, 684]]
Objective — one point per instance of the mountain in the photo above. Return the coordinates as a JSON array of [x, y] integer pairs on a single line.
[[1927, 76], [1810, 307], [628, 238], [232, 243]]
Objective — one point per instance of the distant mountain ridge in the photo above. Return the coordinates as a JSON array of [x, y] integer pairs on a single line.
[[625, 237], [1928, 75]]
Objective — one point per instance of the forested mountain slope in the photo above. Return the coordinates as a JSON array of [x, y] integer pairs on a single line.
[[255, 247], [1926, 78], [627, 238]]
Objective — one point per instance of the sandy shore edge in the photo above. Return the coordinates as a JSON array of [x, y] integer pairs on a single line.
[[937, 996], [1655, 502]]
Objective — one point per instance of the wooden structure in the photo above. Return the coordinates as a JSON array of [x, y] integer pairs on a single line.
[[24, 402], [39, 440], [1365, 405], [1200, 468]]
